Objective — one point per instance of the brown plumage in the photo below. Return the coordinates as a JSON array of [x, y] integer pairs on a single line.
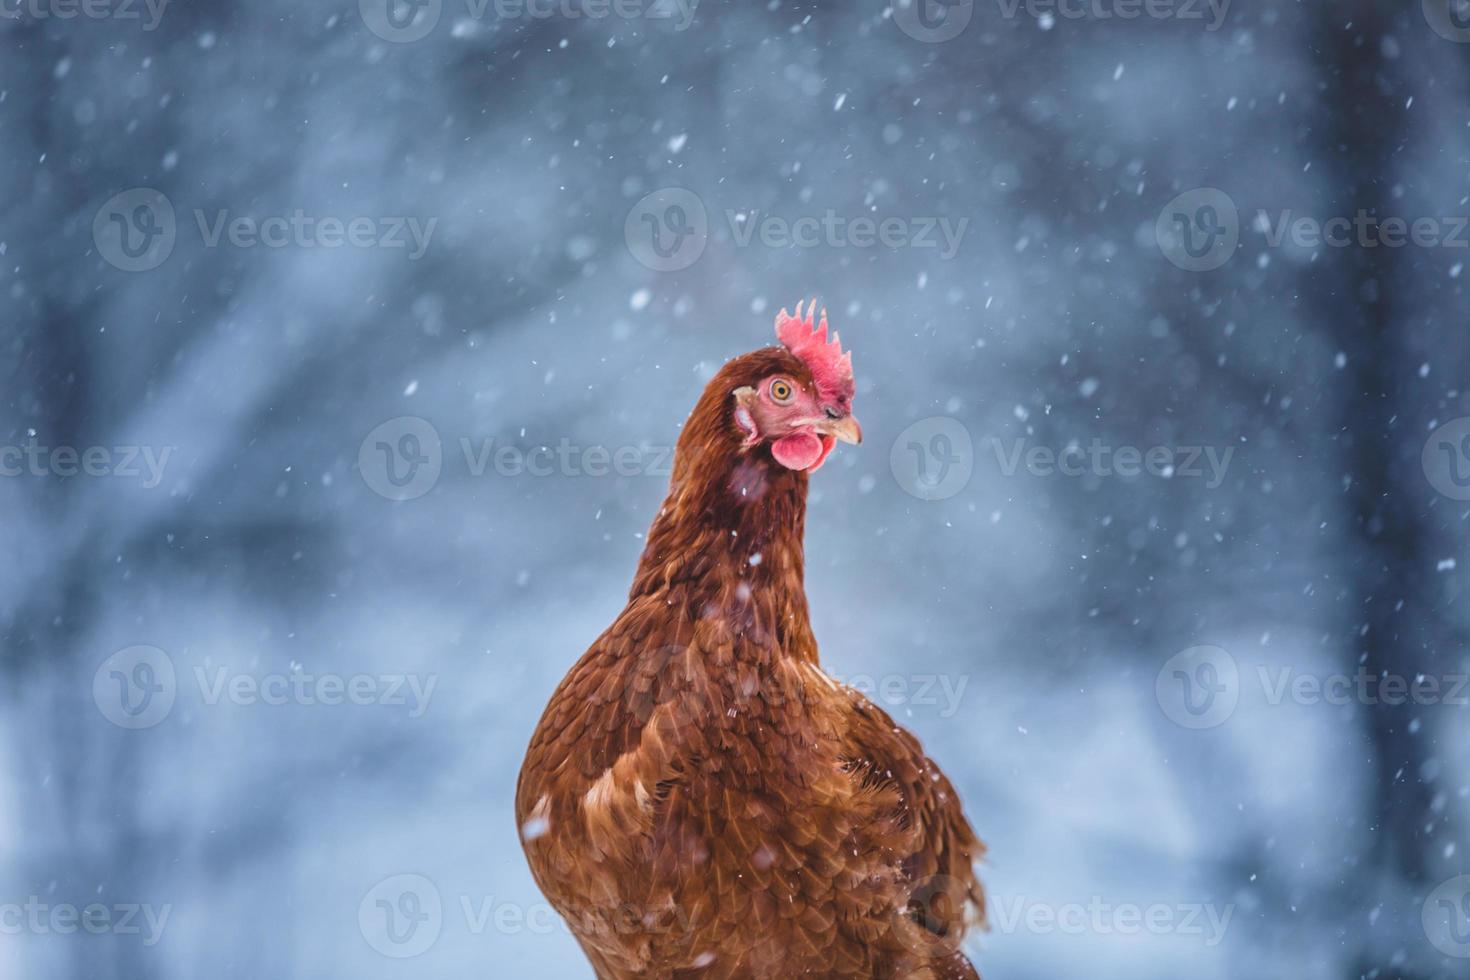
[[699, 798]]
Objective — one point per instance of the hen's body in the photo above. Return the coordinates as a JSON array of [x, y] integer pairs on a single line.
[[700, 799]]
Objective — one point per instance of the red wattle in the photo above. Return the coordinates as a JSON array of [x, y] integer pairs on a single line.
[[827, 443], [798, 451]]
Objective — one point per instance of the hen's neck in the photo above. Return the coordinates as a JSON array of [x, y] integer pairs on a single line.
[[727, 542]]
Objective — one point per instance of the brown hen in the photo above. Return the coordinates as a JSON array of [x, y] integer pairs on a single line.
[[700, 799]]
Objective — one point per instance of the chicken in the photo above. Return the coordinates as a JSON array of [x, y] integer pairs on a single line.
[[699, 798]]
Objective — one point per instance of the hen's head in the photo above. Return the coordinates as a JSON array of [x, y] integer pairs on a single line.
[[795, 399]]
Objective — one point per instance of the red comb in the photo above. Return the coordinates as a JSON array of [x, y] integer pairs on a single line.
[[830, 367]]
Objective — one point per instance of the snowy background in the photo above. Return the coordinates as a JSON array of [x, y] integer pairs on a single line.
[[170, 632]]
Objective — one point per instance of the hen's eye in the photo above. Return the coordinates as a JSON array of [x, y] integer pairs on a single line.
[[781, 391]]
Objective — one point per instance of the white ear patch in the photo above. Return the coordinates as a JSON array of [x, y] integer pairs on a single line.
[[743, 418]]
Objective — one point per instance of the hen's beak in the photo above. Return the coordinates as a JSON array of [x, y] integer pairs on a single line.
[[845, 429]]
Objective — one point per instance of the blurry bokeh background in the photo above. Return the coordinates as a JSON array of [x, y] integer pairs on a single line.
[[208, 260]]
